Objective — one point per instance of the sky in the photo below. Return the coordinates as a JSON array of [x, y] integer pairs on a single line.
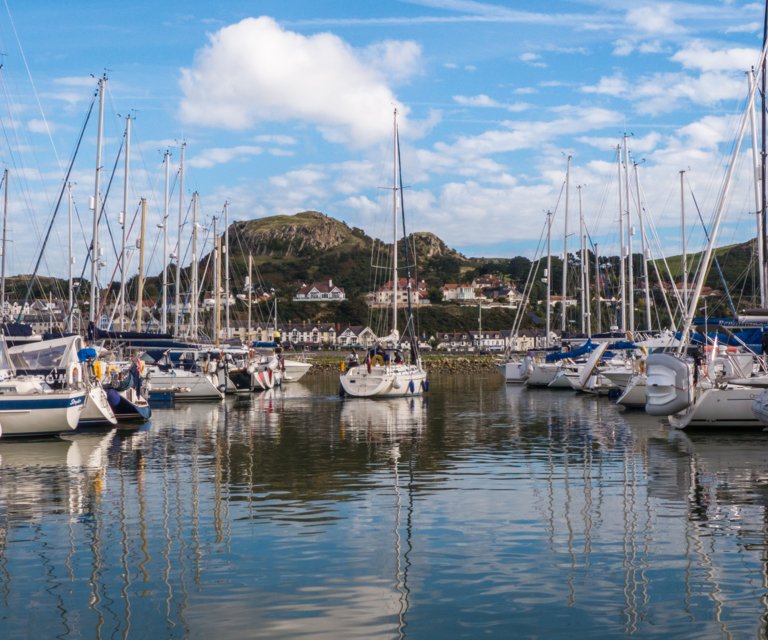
[[288, 105]]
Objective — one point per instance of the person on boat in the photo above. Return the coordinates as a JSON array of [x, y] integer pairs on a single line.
[[136, 368]]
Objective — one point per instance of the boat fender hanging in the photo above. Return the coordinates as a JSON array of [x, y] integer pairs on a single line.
[[222, 388], [97, 370], [425, 385], [342, 367], [73, 374], [411, 387]]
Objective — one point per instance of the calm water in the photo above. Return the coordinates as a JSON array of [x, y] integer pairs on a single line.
[[484, 511]]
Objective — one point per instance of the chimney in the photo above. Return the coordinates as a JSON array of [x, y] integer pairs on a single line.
[[330, 283]]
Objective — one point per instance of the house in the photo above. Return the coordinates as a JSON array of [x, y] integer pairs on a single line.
[[458, 292], [383, 297], [324, 291], [357, 336]]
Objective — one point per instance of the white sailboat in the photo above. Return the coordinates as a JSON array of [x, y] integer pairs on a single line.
[[389, 370]]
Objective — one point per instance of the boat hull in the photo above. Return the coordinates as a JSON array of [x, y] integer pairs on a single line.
[[40, 414], [392, 381]]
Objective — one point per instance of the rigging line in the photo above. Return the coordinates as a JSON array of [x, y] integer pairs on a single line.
[[715, 260], [55, 211], [32, 82], [409, 292], [109, 228]]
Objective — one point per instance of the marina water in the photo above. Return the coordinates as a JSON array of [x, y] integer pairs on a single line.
[[480, 510]]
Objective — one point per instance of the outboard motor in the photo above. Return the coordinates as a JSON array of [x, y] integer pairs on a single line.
[[670, 383]]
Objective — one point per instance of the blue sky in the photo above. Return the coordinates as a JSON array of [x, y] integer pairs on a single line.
[[287, 105]]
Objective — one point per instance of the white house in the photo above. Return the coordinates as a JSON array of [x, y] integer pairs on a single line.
[[320, 292]]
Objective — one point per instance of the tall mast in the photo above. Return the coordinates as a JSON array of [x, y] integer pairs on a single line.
[[756, 181], [763, 187], [226, 268], [216, 284], [563, 320], [394, 226], [193, 329], [622, 272], [249, 291], [140, 293], [164, 295], [94, 299], [598, 291], [549, 276], [646, 256], [70, 260], [177, 294], [630, 262], [582, 298], [685, 248], [123, 219], [5, 227]]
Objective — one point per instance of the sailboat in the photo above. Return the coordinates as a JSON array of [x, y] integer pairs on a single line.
[[389, 370]]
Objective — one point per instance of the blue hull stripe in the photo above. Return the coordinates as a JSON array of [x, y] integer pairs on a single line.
[[40, 403]]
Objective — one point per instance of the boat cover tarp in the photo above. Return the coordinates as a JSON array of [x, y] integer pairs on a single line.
[[584, 349]]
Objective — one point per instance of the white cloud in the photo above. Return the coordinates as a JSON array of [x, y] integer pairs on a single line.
[[532, 59], [39, 126], [700, 57], [211, 157], [657, 18], [255, 71], [615, 85]]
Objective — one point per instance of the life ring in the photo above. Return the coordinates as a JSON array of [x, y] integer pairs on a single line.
[[73, 374], [377, 360]]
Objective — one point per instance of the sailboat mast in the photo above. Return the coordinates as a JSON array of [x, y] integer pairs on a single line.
[[646, 257], [756, 182], [94, 299], [140, 293], [248, 291], [549, 277], [226, 268], [563, 320], [5, 227], [622, 273], [70, 261], [164, 295], [598, 292], [123, 221], [194, 292], [394, 226], [684, 248], [177, 291], [630, 262], [216, 284], [763, 186]]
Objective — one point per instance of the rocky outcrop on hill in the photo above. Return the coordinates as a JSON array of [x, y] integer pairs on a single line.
[[298, 235]]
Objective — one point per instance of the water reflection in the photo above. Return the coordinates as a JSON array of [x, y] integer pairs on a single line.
[[483, 509]]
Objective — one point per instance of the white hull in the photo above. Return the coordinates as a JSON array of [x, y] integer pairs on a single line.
[[730, 406], [294, 370], [388, 381], [634, 395], [185, 385], [516, 371], [37, 414], [543, 374], [565, 379], [96, 411]]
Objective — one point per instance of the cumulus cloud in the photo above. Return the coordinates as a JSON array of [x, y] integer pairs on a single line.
[[256, 71], [700, 57], [211, 157]]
